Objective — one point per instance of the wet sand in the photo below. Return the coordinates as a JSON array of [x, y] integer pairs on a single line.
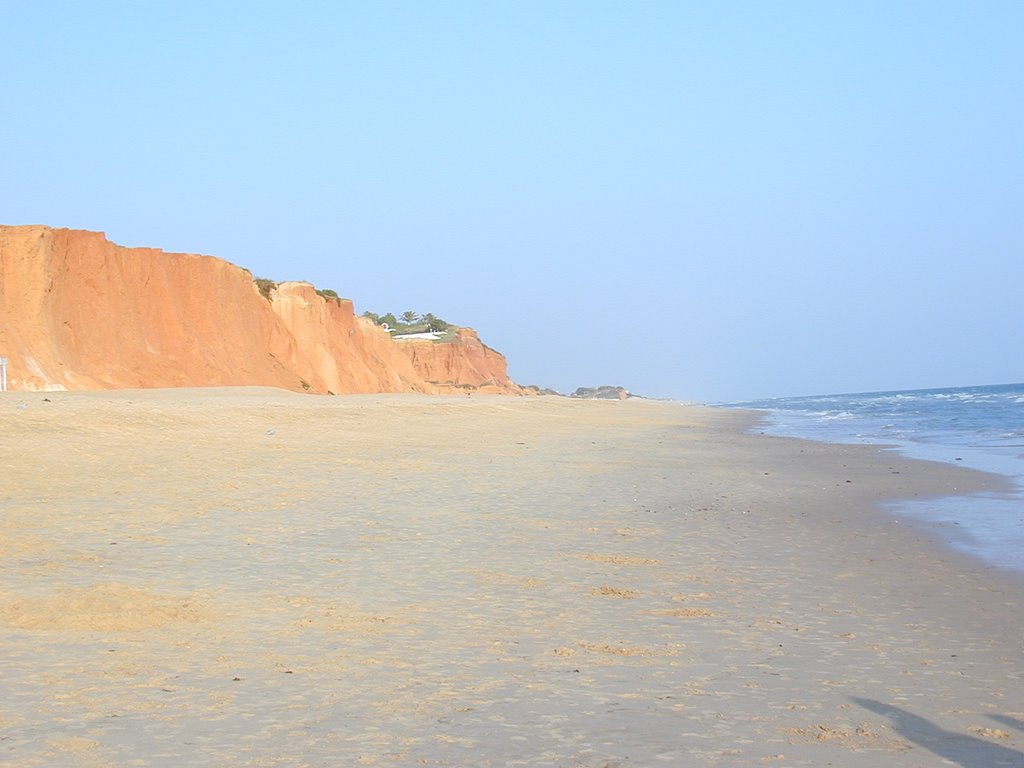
[[247, 577]]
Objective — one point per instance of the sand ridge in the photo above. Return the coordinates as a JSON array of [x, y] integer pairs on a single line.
[[252, 577]]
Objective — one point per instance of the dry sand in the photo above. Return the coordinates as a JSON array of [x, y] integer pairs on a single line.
[[246, 577]]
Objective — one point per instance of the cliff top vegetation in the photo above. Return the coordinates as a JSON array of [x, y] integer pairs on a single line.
[[411, 322]]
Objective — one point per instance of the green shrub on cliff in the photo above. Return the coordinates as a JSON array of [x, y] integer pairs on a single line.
[[264, 286], [327, 293]]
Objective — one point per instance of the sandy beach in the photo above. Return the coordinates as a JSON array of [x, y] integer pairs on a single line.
[[249, 577]]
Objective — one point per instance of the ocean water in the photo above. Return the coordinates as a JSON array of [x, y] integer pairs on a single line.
[[980, 427]]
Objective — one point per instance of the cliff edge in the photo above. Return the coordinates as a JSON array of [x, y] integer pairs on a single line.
[[79, 312]]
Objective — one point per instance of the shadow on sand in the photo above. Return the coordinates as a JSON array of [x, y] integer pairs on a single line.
[[964, 750], [1013, 722]]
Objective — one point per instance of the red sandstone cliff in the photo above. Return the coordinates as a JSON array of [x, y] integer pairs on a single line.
[[463, 362], [79, 312]]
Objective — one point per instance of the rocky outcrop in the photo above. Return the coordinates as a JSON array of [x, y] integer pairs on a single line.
[[602, 393], [79, 312]]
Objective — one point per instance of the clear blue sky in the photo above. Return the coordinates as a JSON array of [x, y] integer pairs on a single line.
[[709, 201]]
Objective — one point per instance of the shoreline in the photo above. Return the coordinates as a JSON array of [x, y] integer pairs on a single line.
[[248, 576], [963, 534]]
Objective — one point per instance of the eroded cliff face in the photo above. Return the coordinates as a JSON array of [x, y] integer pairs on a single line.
[[464, 362], [79, 312]]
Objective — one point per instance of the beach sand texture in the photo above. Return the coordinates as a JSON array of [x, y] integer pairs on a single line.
[[249, 577]]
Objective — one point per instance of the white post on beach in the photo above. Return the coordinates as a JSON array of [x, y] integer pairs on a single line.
[[3, 374]]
